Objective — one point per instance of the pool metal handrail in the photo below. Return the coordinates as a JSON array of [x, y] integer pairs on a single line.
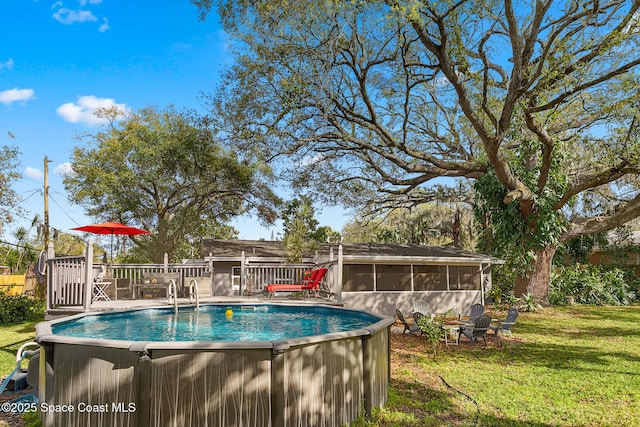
[[193, 291], [173, 293]]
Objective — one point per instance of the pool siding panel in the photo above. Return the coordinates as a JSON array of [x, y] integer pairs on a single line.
[[91, 375], [323, 383], [217, 388], [377, 362]]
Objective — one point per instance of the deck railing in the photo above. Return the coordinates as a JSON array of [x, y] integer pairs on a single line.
[[68, 277], [257, 276], [134, 272], [66, 282]]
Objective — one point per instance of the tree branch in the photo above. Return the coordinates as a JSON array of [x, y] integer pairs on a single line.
[[622, 213]]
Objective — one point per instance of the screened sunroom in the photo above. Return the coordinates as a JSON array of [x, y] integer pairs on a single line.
[[374, 277]]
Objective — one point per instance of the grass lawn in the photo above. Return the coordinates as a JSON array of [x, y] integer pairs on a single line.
[[573, 366], [11, 338]]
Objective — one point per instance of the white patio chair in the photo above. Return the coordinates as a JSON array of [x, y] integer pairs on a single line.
[[420, 306]]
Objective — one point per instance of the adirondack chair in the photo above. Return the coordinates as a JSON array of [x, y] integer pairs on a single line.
[[479, 329], [476, 311], [507, 323], [420, 306], [407, 327]]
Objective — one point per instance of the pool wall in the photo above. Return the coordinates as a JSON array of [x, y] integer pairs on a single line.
[[325, 380]]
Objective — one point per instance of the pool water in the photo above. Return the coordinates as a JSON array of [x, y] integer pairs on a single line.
[[248, 323]]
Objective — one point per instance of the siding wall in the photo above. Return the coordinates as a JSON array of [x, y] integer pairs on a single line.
[[222, 278]]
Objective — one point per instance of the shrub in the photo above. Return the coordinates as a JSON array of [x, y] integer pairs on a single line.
[[587, 284], [503, 279], [432, 332], [527, 302], [20, 308]]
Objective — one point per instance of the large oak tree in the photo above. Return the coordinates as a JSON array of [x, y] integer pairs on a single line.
[[165, 172], [536, 101]]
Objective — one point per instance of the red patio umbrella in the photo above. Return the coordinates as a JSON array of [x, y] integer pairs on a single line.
[[112, 228]]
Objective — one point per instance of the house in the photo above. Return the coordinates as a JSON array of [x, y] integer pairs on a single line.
[[374, 277]]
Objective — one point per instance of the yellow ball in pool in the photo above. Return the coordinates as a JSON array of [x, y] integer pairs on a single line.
[[228, 313]]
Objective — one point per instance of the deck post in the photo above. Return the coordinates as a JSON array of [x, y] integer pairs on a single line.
[[485, 279], [243, 273], [88, 276], [338, 289], [278, 390], [49, 277]]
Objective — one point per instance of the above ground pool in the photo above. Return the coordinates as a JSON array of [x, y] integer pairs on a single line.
[[217, 323], [239, 365]]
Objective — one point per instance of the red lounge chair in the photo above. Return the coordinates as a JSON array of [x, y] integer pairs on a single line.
[[312, 284]]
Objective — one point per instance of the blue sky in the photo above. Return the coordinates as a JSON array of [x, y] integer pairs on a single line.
[[59, 60]]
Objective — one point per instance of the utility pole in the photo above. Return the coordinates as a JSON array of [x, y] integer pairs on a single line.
[[46, 202]]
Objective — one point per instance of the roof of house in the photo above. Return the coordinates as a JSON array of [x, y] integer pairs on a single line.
[[232, 249]]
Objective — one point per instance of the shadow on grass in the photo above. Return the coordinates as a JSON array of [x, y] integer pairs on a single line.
[[424, 405], [554, 356], [603, 322], [605, 339], [626, 314], [25, 332], [594, 330], [12, 348]]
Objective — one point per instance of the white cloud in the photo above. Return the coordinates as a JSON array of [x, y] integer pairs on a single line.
[[33, 173], [64, 169], [15, 94], [105, 25], [84, 110], [8, 64], [312, 160], [68, 16]]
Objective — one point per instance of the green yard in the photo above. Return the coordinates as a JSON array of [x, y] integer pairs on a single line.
[[11, 338], [577, 366]]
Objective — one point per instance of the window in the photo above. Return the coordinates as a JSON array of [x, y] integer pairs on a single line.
[[464, 278], [393, 277], [357, 277], [430, 277], [235, 278]]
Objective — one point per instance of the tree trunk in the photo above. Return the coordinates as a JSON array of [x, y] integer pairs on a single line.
[[455, 229], [536, 281]]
